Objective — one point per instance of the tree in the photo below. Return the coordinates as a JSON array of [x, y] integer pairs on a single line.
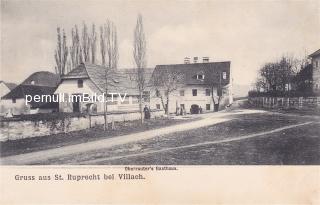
[[93, 46], [139, 55], [75, 48], [279, 76], [260, 85], [215, 82], [110, 75], [85, 43], [109, 46], [165, 82], [303, 81], [102, 46], [110, 32], [61, 53]]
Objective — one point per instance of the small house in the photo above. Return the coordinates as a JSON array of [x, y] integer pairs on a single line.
[[39, 83]]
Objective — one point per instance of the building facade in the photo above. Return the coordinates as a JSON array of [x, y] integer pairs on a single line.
[[89, 80], [202, 85], [315, 61]]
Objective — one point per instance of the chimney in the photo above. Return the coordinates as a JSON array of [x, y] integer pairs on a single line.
[[186, 60], [205, 59], [195, 59]]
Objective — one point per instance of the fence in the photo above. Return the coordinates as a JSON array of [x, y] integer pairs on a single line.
[[13, 130], [286, 102]]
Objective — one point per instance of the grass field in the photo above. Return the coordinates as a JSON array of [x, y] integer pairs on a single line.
[[298, 145]]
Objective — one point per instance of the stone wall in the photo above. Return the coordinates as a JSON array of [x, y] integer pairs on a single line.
[[13, 130]]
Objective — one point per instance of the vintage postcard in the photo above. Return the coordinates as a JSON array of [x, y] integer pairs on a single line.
[[160, 102]]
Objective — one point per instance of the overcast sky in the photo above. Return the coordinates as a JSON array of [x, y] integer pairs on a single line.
[[247, 33]]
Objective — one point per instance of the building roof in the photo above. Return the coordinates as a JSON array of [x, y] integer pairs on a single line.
[[22, 90], [119, 81], [42, 78], [314, 54], [78, 72], [39, 83], [9, 85], [211, 72]]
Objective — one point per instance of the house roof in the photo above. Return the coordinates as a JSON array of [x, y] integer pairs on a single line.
[[39, 83], [78, 72], [314, 54], [42, 78], [211, 72], [22, 90], [9, 85], [119, 81]]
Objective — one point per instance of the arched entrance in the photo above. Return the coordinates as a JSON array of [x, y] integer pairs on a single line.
[[194, 109]]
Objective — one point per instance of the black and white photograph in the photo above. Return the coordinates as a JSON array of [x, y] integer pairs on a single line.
[[160, 102], [160, 83]]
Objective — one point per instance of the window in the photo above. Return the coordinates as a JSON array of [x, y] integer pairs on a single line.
[[317, 86], [224, 75], [158, 106], [14, 100], [207, 106], [200, 77], [32, 82], [80, 83], [194, 92], [207, 92], [146, 96], [317, 64], [181, 92]]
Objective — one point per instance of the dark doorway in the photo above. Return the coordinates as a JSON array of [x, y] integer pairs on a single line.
[[194, 109], [76, 106], [76, 103]]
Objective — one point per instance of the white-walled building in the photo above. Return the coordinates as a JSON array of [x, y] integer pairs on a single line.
[[89, 80], [194, 91], [39, 83]]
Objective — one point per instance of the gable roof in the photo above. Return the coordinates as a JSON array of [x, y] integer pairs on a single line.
[[42, 78], [77, 72], [190, 72], [314, 54], [9, 85], [119, 81], [22, 90], [38, 83]]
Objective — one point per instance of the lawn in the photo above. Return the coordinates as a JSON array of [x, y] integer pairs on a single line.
[[284, 148], [262, 150]]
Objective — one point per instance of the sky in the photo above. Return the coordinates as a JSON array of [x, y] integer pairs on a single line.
[[247, 33]]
